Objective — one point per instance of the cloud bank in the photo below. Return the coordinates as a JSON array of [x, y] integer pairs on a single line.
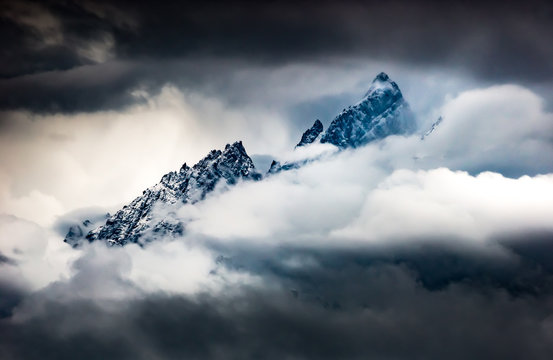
[[405, 248], [103, 50]]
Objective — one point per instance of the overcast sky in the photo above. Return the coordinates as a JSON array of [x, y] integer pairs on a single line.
[[88, 86], [404, 249]]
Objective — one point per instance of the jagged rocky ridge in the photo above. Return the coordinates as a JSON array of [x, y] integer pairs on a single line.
[[382, 112], [311, 134], [136, 222]]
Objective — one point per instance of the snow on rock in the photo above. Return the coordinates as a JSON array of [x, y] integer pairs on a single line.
[[137, 220], [310, 135], [382, 112]]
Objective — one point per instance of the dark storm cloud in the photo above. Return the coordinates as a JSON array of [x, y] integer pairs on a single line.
[[332, 304], [516, 263], [383, 313], [85, 88], [497, 41], [110, 85], [6, 260], [10, 296]]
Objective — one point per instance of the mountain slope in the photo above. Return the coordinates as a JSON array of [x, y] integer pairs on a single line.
[[189, 185]]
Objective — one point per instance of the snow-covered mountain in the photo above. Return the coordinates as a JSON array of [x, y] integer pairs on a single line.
[[136, 221], [382, 112]]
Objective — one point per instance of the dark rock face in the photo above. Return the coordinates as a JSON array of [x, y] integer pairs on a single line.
[[136, 221], [275, 167], [310, 135], [381, 113], [77, 232]]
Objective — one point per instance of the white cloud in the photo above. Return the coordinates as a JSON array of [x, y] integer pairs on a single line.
[[331, 203], [40, 256], [445, 204], [58, 163], [501, 128], [39, 260], [401, 189]]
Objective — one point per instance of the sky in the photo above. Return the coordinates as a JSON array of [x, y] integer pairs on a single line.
[[403, 249]]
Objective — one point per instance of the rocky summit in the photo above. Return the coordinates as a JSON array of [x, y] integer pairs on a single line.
[[381, 113], [311, 134], [137, 222]]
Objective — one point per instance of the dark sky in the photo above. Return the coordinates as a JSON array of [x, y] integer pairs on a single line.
[[74, 56]]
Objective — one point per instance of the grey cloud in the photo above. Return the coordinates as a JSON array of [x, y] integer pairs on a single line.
[[518, 264], [10, 296], [6, 260], [425, 299], [342, 309], [493, 41], [85, 88]]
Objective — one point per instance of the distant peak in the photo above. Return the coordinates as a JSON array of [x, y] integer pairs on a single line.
[[311, 134], [381, 77], [382, 84], [233, 144], [380, 113], [236, 146]]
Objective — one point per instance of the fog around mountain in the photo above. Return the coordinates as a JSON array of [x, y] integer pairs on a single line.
[[278, 181]]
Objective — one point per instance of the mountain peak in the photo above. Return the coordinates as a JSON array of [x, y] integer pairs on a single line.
[[381, 77], [382, 112], [138, 220], [236, 145], [237, 149], [383, 85], [311, 134]]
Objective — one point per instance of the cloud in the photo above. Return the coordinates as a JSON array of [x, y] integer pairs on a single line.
[[314, 208], [37, 258], [482, 131], [37, 18], [378, 311], [80, 159], [401, 249], [187, 298], [404, 187], [501, 128], [158, 43], [447, 204]]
